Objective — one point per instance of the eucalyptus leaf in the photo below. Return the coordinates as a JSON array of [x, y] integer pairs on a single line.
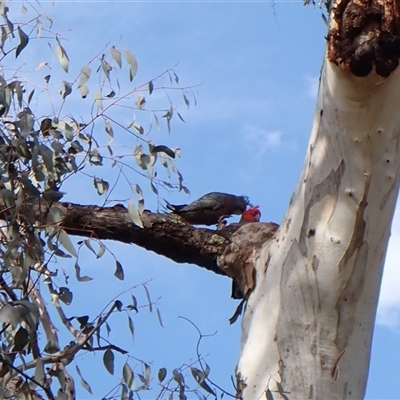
[[78, 276], [84, 384], [84, 76], [148, 298], [101, 186], [134, 214], [66, 89], [62, 56], [65, 242], [131, 327], [131, 59], [159, 317], [116, 55], [65, 295], [23, 42], [119, 271], [164, 149], [162, 373], [127, 375], [101, 251], [108, 361]]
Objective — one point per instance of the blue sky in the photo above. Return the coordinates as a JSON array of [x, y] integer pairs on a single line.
[[257, 64]]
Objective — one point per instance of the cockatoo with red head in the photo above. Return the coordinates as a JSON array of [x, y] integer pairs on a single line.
[[252, 214], [210, 208]]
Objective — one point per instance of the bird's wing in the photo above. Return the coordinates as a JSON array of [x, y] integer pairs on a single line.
[[210, 201]]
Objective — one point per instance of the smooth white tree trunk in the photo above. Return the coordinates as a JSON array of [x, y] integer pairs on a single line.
[[309, 322]]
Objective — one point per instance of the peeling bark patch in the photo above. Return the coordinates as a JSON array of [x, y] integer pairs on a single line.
[[329, 186], [355, 271], [315, 263], [365, 34], [347, 302]]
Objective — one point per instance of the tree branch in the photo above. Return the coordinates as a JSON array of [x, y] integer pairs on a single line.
[[165, 234], [228, 251]]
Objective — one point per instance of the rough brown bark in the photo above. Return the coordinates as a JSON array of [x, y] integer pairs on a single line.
[[364, 34], [229, 251]]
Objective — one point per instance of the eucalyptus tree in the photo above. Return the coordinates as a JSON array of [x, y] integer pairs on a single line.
[[310, 286]]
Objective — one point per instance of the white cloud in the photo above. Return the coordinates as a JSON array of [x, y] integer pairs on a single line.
[[259, 140]]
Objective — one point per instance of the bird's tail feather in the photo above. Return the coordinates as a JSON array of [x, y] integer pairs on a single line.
[[173, 207]]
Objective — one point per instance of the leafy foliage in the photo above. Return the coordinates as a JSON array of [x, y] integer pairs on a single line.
[[43, 143]]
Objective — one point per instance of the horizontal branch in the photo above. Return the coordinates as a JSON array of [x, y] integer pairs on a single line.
[[165, 234], [226, 251]]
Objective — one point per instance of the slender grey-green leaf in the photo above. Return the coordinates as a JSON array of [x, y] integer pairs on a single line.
[[101, 185], [164, 149], [116, 55], [159, 317], [98, 99], [140, 102], [138, 128], [66, 89], [134, 303], [101, 251], [131, 59], [78, 276], [127, 375], [207, 369], [180, 117], [134, 214], [147, 375], [23, 41], [124, 392], [151, 87], [108, 328], [281, 391], [62, 56], [65, 242], [88, 244], [84, 76], [131, 327], [153, 188], [268, 395], [30, 96], [108, 360], [109, 129], [185, 99], [119, 271], [84, 384], [148, 298], [47, 156]]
